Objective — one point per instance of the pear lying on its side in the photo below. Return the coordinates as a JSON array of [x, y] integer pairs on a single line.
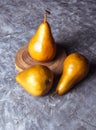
[[76, 67], [36, 80]]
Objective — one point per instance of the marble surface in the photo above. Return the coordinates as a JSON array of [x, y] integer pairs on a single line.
[[73, 24]]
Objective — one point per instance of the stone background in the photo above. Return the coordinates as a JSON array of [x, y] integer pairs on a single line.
[[73, 24]]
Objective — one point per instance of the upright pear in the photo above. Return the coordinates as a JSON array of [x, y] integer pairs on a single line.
[[75, 68], [42, 46]]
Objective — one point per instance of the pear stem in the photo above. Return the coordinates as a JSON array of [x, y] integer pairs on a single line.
[[54, 94], [45, 16]]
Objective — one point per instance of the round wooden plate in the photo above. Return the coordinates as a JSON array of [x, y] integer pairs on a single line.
[[24, 61]]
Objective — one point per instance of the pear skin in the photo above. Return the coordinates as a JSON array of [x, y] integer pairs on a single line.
[[75, 68], [42, 46], [36, 80]]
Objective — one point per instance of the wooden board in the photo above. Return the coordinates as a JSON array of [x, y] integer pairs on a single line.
[[24, 61]]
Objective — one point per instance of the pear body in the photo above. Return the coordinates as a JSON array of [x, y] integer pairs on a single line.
[[75, 68], [36, 80], [42, 46]]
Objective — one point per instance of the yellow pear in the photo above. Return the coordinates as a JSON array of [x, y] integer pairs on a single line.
[[36, 80], [76, 67], [42, 47]]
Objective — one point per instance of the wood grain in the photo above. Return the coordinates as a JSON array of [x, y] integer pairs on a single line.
[[24, 61]]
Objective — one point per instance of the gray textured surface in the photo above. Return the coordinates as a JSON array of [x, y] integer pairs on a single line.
[[73, 24]]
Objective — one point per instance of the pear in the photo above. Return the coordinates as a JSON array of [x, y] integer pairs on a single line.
[[75, 68], [42, 46], [36, 80]]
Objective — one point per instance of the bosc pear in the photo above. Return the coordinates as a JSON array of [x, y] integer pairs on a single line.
[[76, 67], [36, 80], [42, 46]]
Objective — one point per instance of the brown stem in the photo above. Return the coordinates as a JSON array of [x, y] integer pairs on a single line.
[[54, 94], [45, 15]]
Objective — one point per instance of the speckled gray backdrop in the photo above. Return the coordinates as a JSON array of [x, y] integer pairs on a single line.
[[73, 24]]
